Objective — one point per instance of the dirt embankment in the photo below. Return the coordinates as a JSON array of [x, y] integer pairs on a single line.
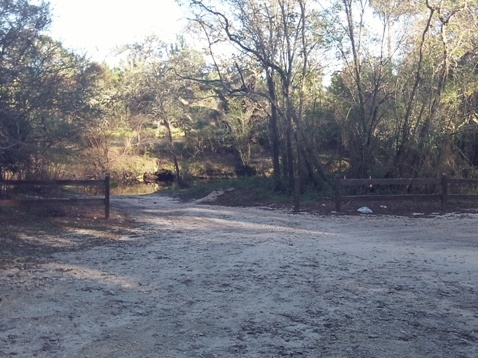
[[192, 280]]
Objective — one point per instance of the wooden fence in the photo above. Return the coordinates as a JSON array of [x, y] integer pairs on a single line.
[[444, 183], [59, 183]]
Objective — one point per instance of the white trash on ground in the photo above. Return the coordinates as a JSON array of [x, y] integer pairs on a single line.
[[365, 210]]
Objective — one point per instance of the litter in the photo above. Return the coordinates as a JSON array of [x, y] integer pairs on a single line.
[[365, 210]]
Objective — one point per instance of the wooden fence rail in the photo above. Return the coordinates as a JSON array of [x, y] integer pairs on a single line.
[[444, 183], [58, 183]]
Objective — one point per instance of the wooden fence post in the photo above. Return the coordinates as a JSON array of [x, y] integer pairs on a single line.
[[1, 185], [337, 192], [107, 196], [296, 194], [444, 191]]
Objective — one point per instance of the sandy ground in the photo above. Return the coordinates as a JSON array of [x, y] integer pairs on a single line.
[[195, 280]]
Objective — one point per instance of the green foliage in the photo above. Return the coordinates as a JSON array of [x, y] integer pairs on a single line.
[[401, 102], [44, 92]]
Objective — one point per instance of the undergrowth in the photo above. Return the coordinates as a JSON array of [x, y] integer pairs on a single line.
[[255, 188]]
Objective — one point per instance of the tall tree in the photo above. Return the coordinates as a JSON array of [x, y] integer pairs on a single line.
[[430, 95], [364, 85], [156, 89], [21, 25], [44, 91], [279, 35]]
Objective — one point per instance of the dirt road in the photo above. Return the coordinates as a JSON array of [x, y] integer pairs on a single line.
[[193, 280]]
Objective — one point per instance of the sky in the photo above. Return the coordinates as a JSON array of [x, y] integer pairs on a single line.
[[96, 27]]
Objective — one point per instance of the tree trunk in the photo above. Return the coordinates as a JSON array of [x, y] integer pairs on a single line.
[[173, 153], [274, 131]]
